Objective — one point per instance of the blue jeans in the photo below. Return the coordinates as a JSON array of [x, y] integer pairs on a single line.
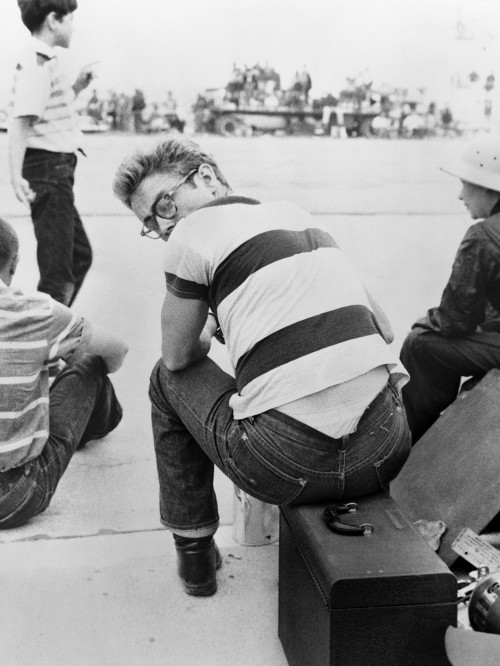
[[83, 406], [271, 456], [63, 249], [436, 365]]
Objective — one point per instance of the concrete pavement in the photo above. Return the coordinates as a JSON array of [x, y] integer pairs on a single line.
[[92, 581]]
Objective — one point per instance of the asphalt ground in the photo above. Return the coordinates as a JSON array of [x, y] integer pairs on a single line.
[[92, 580]]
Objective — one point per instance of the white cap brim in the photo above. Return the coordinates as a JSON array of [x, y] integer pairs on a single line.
[[474, 175]]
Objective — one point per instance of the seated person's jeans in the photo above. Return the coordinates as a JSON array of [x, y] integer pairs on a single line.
[[271, 456], [83, 406], [436, 366]]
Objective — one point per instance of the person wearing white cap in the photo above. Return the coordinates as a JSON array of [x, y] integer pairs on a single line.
[[461, 337]]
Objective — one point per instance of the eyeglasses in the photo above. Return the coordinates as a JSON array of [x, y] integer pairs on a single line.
[[164, 207]]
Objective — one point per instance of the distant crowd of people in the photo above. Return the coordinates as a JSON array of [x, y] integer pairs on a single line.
[[123, 112], [409, 121], [260, 85]]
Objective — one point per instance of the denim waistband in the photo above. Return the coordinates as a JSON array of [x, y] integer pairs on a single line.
[[318, 439], [46, 153]]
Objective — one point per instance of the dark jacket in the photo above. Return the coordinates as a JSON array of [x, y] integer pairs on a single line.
[[471, 299]]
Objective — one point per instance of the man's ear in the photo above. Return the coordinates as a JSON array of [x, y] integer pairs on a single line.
[[208, 176]]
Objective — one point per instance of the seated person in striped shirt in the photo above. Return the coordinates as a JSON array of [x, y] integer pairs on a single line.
[[41, 428], [314, 410]]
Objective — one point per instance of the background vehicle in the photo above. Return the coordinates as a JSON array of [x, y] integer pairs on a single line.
[[216, 115]]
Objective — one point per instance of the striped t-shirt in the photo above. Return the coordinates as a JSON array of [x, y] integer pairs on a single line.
[[295, 316], [34, 330], [41, 91]]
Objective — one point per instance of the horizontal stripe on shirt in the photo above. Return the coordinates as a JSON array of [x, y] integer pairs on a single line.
[[260, 251], [289, 288], [32, 314], [186, 288], [32, 405], [303, 338], [21, 443], [29, 379], [32, 327], [326, 367], [35, 344], [294, 313]]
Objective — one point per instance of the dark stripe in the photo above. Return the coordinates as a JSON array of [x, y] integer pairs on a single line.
[[260, 251], [186, 288], [231, 199], [303, 338]]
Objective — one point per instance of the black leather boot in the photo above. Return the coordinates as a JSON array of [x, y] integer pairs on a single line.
[[197, 561]]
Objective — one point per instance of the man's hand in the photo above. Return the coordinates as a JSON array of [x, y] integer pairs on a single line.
[[84, 78], [23, 190]]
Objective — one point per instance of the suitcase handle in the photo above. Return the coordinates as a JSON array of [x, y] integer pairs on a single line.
[[334, 522]]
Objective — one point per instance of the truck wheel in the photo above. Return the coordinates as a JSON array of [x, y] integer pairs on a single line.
[[229, 126], [366, 128]]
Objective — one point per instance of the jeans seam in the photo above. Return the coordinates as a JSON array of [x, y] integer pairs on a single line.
[[392, 441], [300, 469], [283, 475]]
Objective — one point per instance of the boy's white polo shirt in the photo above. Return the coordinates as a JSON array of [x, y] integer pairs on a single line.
[[42, 92]]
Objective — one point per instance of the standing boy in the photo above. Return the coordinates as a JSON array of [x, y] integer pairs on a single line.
[[44, 138]]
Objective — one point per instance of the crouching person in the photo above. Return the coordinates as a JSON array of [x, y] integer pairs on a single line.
[[461, 336], [314, 411], [41, 428]]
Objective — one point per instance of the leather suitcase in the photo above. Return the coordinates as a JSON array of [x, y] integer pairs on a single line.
[[453, 472], [361, 601]]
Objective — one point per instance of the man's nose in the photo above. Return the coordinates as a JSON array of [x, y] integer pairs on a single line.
[[165, 224]]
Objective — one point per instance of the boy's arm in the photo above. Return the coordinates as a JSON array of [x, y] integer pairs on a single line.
[[18, 140], [97, 342], [84, 79]]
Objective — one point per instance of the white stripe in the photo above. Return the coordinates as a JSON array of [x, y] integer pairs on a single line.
[[32, 405], [296, 288], [312, 373], [12, 446], [36, 344], [17, 295], [252, 221], [55, 347], [32, 314], [28, 379]]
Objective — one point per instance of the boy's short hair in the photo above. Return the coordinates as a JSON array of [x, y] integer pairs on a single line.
[[34, 12], [9, 244], [173, 155]]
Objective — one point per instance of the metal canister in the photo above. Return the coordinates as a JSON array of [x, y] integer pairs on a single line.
[[255, 523], [484, 605]]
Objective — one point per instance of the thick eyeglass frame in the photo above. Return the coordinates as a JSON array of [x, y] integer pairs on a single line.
[[154, 234]]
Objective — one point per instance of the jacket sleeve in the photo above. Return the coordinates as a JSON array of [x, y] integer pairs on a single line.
[[463, 303]]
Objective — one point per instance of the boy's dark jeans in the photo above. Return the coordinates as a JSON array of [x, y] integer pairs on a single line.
[[436, 366], [83, 406], [63, 250], [271, 456]]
